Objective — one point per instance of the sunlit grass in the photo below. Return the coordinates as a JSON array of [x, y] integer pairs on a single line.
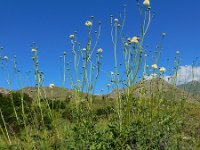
[[143, 112]]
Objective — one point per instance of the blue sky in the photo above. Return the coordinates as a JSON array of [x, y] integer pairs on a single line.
[[50, 22]]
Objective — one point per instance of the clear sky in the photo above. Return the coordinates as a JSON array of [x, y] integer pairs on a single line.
[[50, 22]]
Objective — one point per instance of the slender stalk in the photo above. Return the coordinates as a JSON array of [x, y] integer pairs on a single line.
[[4, 123]]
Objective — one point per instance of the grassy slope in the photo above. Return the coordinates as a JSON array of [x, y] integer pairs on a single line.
[[159, 85], [192, 87], [192, 117]]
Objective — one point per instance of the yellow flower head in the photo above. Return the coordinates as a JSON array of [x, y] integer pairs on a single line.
[[71, 36], [146, 3], [34, 50], [135, 40], [100, 50], [116, 20], [51, 85], [88, 23], [5, 57], [162, 69], [125, 44], [154, 66], [153, 75]]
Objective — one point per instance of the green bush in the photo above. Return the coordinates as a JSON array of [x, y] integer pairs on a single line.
[[68, 114], [104, 112]]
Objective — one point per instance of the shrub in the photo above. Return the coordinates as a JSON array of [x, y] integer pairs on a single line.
[[104, 112]]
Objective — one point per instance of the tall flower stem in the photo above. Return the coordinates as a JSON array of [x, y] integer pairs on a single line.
[[4, 123]]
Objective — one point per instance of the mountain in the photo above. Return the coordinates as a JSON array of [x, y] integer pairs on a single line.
[[148, 89], [46, 92], [151, 88], [55, 93], [4, 91], [191, 87]]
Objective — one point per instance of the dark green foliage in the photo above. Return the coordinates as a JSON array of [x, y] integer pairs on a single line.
[[14, 147], [42, 118], [57, 104], [150, 127], [104, 112], [67, 99], [68, 114], [8, 103]]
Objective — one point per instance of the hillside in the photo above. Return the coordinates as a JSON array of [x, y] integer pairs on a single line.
[[4, 91], [150, 88], [46, 92], [191, 87], [158, 108], [56, 93]]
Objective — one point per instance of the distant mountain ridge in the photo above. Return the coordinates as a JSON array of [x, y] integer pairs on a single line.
[[191, 87], [189, 91], [154, 86], [46, 92]]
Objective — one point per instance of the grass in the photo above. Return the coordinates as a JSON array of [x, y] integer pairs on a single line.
[[151, 114], [169, 119]]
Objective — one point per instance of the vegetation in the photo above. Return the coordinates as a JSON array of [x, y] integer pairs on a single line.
[[139, 113], [192, 87]]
